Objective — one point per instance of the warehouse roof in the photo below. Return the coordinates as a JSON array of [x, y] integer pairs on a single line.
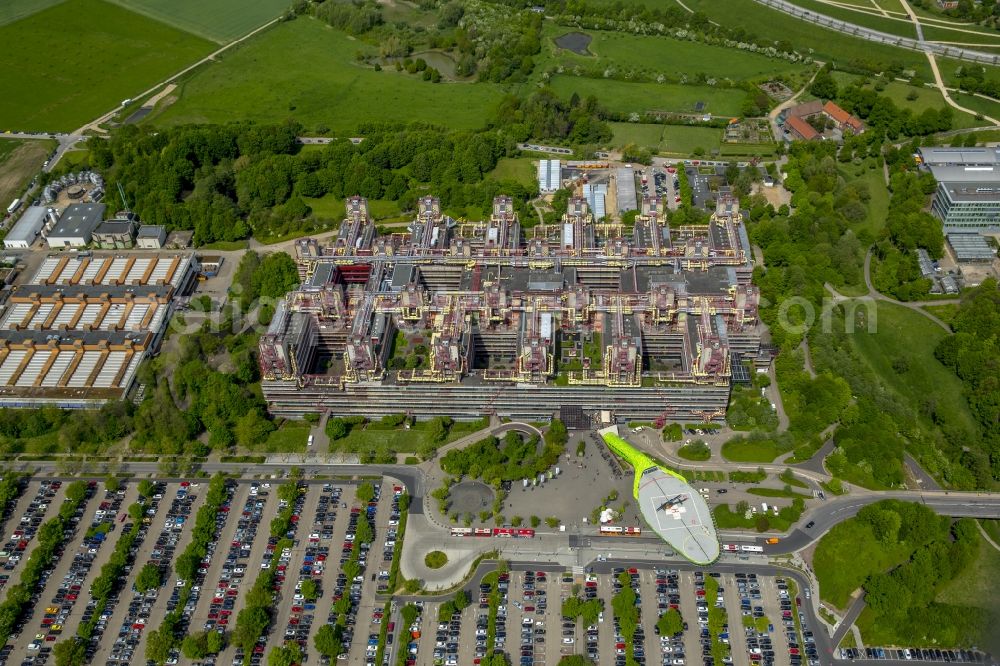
[[26, 229], [78, 220]]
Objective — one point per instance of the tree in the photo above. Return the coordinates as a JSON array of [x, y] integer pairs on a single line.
[[336, 429], [327, 640], [70, 652], [556, 434], [148, 578], [670, 623], [195, 646], [535, 521], [136, 511], [215, 642], [461, 600], [158, 644], [365, 492], [287, 655], [112, 484], [310, 590]]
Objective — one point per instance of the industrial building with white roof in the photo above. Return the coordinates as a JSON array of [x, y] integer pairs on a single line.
[[75, 333]]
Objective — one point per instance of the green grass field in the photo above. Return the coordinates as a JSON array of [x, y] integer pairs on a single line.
[[255, 82], [854, 542], [968, 588], [674, 56], [627, 97], [752, 451], [519, 169], [58, 71], [8, 146], [641, 134], [218, 20], [907, 335], [927, 98], [945, 313], [977, 104], [903, 28], [333, 207], [291, 437], [15, 10], [680, 139], [977, 39], [824, 44], [368, 438]]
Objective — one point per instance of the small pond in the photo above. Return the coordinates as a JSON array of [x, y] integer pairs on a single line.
[[577, 42]]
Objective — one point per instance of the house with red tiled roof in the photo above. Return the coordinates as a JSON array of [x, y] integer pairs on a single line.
[[801, 128], [844, 120]]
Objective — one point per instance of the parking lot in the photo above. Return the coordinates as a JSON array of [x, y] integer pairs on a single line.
[[760, 616], [340, 544], [323, 517]]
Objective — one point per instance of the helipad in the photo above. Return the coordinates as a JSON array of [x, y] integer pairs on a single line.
[[671, 507]]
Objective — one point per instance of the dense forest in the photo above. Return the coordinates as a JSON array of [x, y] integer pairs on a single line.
[[232, 181], [974, 354]]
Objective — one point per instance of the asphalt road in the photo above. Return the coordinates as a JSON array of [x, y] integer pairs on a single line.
[[825, 515]]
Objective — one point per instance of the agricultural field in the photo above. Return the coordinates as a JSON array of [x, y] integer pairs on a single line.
[[625, 97], [868, 19], [254, 82], [219, 20], [821, 43], [15, 10], [19, 161], [671, 56], [87, 67]]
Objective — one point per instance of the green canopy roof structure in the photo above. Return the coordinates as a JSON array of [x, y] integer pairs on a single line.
[[670, 506]]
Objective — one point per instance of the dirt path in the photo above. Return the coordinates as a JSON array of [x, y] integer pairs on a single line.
[[167, 89]]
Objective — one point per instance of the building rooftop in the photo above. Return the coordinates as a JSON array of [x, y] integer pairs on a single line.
[[26, 229], [806, 109], [802, 128], [973, 191], [115, 227], [78, 220], [946, 156], [966, 173], [971, 247], [151, 231]]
